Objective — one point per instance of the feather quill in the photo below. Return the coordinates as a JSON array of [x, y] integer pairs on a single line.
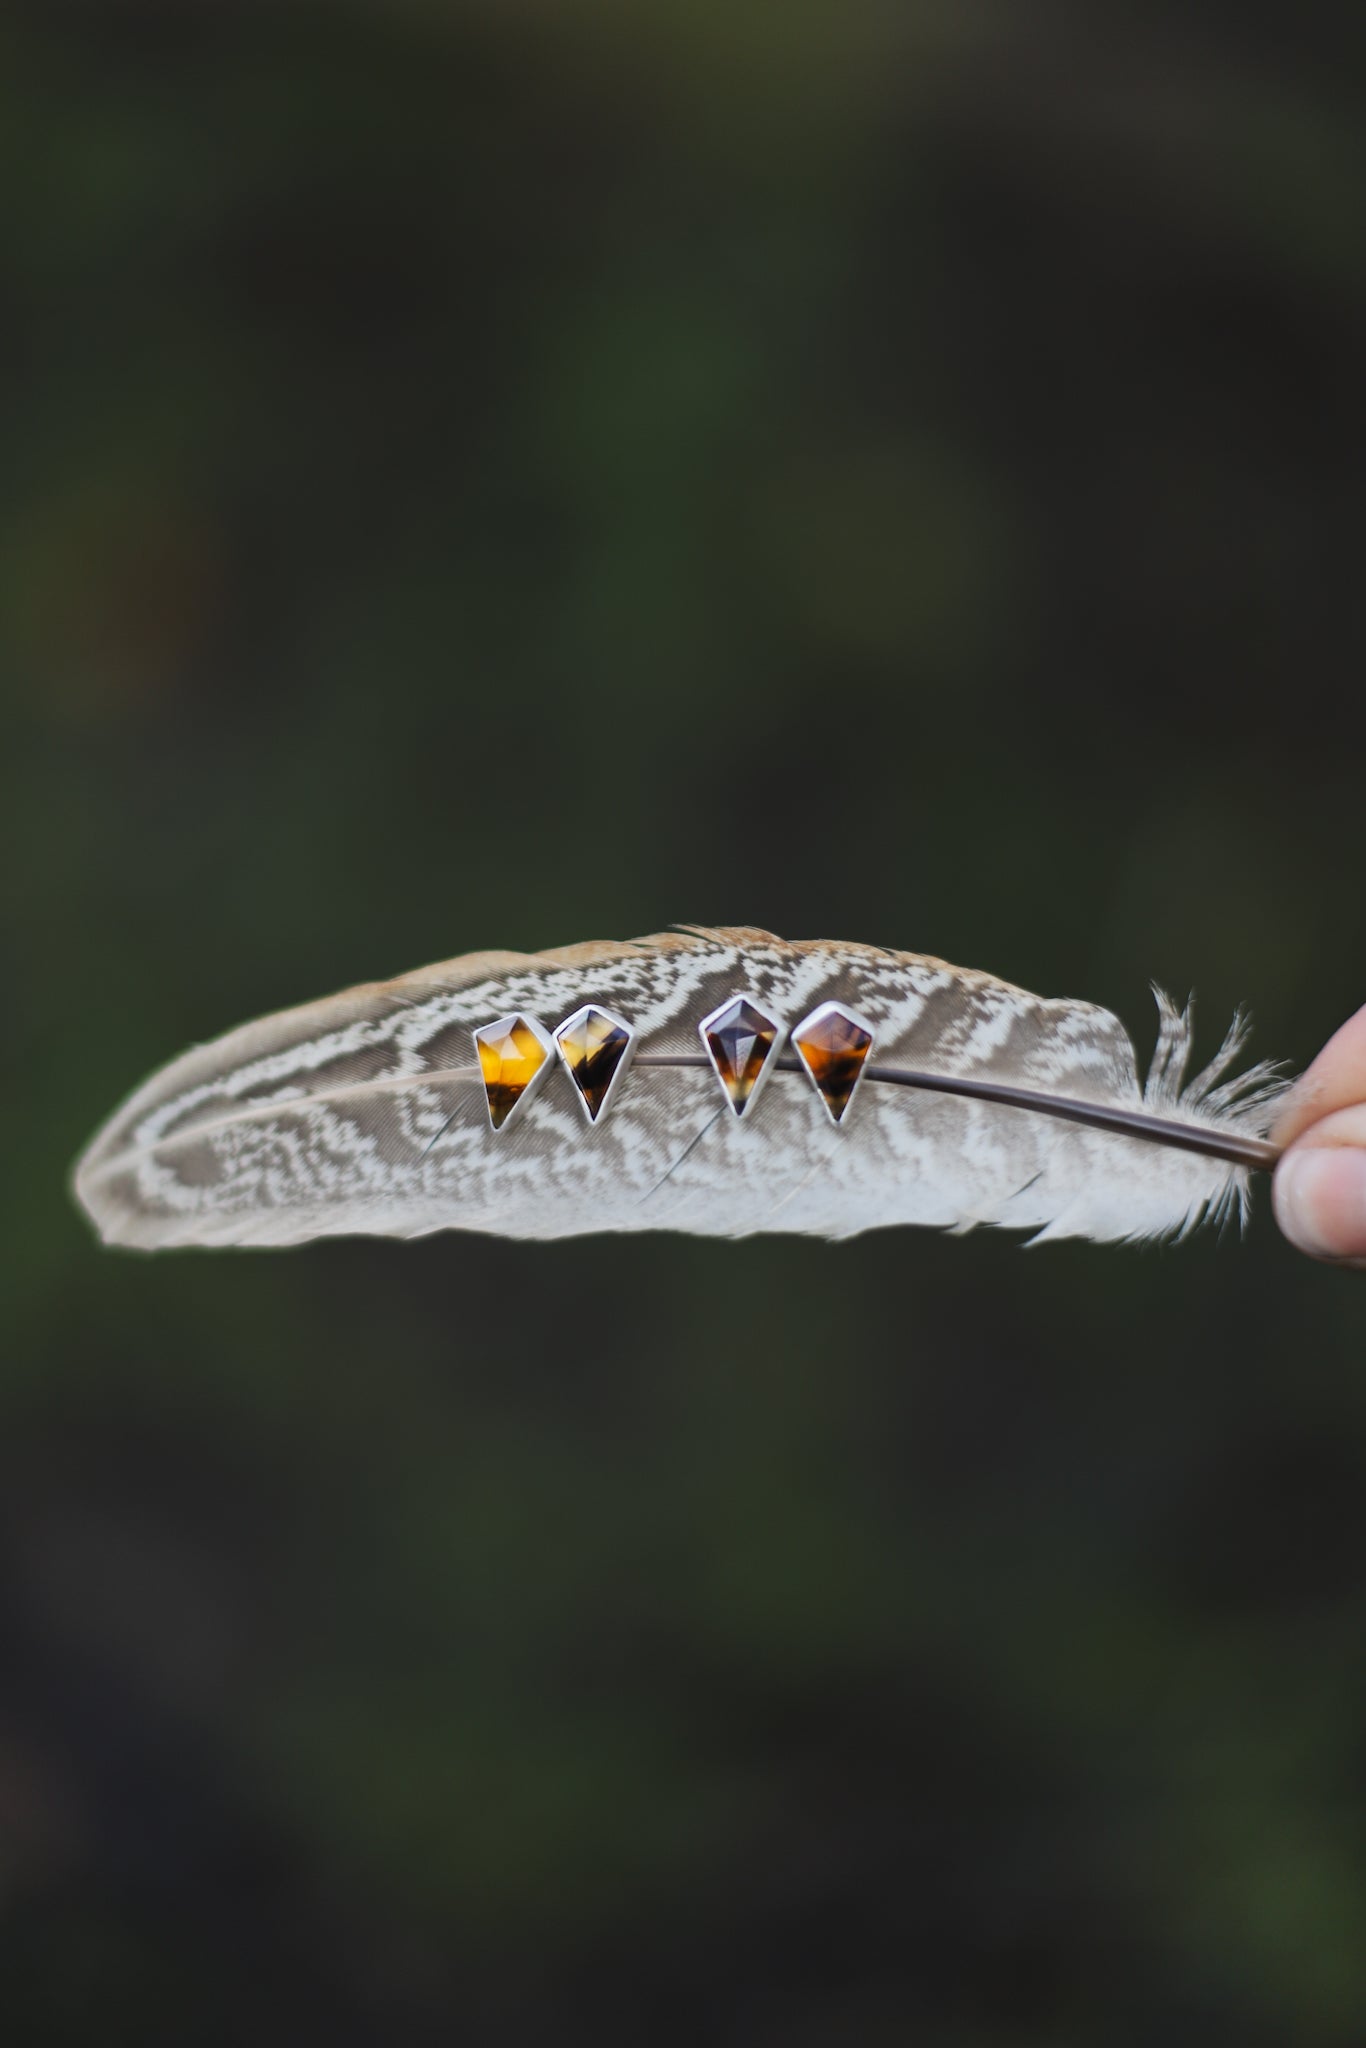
[[366, 1112]]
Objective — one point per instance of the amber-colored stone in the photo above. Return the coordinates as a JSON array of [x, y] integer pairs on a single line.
[[832, 1045], [594, 1045], [740, 1040], [511, 1056]]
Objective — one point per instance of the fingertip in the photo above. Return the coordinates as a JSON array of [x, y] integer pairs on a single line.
[[1335, 1080], [1319, 1197]]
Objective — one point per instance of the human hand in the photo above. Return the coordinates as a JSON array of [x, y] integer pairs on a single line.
[[1319, 1192]]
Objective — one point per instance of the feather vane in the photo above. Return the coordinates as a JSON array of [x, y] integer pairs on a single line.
[[366, 1112]]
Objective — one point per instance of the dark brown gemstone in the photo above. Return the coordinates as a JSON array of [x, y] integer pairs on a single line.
[[740, 1039], [593, 1045], [832, 1045]]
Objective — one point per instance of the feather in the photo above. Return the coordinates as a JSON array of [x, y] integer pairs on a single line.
[[366, 1112]]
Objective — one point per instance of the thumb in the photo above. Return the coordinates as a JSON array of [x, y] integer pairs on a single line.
[[1319, 1192]]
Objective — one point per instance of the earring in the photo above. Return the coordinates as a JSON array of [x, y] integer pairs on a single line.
[[596, 1046], [742, 1042], [833, 1044], [514, 1059]]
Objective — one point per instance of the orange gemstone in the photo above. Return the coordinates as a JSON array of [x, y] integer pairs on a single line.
[[832, 1045], [741, 1042], [512, 1056], [596, 1048]]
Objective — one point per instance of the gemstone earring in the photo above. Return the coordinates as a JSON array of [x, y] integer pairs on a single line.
[[514, 1059], [596, 1046], [742, 1042], [833, 1044]]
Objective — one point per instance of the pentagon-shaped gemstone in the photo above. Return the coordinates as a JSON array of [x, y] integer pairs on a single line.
[[513, 1053], [596, 1046], [742, 1043], [832, 1044]]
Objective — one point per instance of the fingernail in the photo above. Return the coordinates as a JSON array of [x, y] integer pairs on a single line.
[[1320, 1200]]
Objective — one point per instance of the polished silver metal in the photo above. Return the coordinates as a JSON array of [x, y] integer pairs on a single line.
[[741, 1110], [860, 1023], [562, 1030], [499, 1028]]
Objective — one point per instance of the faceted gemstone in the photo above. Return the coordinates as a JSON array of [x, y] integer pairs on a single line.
[[594, 1045], [741, 1041], [512, 1056], [832, 1045]]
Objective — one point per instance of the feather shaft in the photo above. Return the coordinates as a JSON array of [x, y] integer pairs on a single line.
[[1256, 1153]]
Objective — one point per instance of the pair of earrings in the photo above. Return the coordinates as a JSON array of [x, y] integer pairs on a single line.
[[595, 1045], [742, 1043]]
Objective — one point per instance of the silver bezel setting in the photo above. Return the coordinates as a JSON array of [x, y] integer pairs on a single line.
[[623, 1064], [860, 1023], [534, 1085], [741, 1110]]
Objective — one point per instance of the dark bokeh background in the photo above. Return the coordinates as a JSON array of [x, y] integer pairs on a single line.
[[508, 474]]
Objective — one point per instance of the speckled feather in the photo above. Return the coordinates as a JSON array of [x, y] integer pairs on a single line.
[[366, 1113]]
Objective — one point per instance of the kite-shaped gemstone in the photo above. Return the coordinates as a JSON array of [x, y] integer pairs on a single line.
[[742, 1043], [597, 1047], [833, 1044], [514, 1054]]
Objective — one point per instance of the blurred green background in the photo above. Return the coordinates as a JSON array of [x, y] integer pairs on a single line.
[[504, 475]]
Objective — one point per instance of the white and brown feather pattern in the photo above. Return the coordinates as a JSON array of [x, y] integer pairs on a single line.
[[366, 1112]]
